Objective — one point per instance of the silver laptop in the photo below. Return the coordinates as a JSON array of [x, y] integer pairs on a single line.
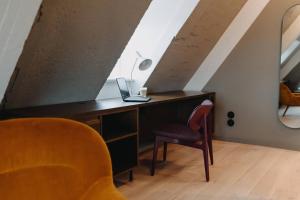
[[126, 95]]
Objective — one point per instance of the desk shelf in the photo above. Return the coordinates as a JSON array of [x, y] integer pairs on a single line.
[[123, 154], [120, 132], [121, 137], [118, 125]]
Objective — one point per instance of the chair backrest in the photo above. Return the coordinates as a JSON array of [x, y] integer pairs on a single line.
[[199, 114], [50, 158], [285, 94]]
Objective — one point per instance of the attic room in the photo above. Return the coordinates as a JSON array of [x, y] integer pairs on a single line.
[[142, 100]]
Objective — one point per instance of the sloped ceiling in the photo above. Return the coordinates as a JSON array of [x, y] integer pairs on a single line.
[[71, 50], [193, 43]]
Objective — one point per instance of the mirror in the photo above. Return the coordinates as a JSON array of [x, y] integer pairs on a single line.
[[289, 94]]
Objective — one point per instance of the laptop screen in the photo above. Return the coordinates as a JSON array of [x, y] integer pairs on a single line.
[[123, 87]]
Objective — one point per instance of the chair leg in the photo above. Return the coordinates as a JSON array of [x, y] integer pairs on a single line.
[[206, 165], [165, 151], [155, 149], [210, 147], [286, 109]]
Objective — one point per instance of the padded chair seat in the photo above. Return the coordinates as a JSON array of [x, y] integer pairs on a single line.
[[177, 131]]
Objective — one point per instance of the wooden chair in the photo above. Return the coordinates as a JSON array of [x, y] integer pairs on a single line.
[[197, 134], [288, 98]]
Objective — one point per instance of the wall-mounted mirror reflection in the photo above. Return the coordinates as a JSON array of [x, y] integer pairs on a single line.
[[289, 100]]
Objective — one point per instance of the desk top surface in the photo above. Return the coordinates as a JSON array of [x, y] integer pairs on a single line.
[[89, 107]]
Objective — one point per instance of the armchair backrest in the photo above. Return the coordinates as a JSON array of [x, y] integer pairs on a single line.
[[285, 94], [44, 158]]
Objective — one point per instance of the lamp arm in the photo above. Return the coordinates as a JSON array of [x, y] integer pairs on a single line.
[[139, 54], [133, 68], [132, 73]]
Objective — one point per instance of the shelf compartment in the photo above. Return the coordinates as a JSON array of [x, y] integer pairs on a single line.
[[118, 125], [121, 137], [124, 154]]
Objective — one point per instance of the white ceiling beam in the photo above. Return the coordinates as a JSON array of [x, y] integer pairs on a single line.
[[231, 37], [15, 25]]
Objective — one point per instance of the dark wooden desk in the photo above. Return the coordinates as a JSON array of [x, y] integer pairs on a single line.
[[126, 127]]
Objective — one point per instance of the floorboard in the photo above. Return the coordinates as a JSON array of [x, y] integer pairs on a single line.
[[240, 172]]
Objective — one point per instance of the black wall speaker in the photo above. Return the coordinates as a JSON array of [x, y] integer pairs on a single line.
[[230, 120], [230, 114]]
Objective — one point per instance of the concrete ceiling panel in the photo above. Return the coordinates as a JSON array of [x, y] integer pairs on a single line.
[[193, 43], [71, 50]]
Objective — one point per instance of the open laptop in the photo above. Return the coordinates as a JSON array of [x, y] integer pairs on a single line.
[[126, 95]]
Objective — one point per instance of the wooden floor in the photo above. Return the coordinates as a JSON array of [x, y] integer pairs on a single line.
[[241, 172]]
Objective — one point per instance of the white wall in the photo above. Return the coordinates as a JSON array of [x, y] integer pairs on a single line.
[[16, 19], [226, 43], [248, 84], [158, 27]]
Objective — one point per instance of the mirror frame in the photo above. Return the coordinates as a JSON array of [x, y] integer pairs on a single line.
[[279, 66]]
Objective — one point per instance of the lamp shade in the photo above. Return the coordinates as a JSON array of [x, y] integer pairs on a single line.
[[145, 64]]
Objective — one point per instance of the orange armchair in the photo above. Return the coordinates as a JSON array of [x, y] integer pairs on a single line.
[[288, 98], [51, 159]]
